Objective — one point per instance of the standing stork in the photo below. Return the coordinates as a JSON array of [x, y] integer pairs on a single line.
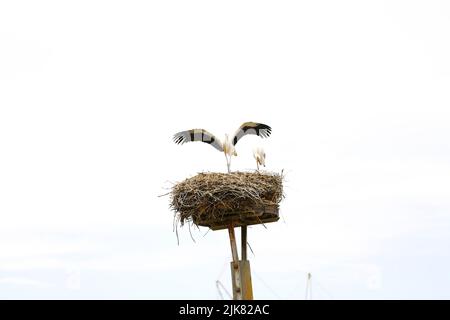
[[229, 143], [260, 157]]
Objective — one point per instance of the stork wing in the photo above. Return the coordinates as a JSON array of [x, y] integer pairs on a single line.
[[197, 135], [258, 129]]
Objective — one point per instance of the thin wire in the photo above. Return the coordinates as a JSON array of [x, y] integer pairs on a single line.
[[220, 285], [218, 290], [297, 285], [324, 290], [250, 247], [266, 285], [222, 271]]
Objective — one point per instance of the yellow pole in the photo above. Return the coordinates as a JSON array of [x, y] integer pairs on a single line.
[[235, 270]]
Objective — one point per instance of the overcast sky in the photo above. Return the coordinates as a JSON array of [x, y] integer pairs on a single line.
[[357, 94]]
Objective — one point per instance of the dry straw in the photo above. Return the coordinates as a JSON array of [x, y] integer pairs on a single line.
[[210, 197]]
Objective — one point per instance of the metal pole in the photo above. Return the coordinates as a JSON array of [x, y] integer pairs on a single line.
[[244, 266], [244, 242]]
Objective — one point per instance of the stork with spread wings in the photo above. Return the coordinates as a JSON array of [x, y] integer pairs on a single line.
[[229, 143]]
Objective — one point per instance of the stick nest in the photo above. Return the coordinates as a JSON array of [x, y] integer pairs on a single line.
[[213, 196]]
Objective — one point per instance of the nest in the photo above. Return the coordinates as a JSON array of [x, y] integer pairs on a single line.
[[216, 199]]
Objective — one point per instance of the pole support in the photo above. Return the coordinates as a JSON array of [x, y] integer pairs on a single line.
[[235, 270]]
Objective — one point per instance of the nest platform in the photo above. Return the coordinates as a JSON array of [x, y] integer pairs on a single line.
[[217, 200]]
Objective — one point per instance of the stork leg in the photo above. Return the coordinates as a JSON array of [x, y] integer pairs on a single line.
[[228, 162]]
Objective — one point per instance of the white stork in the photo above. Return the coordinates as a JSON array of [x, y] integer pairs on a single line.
[[228, 146], [260, 157]]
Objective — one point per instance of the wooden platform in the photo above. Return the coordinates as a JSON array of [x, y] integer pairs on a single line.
[[263, 215]]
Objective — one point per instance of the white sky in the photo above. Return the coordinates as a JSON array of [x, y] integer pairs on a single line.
[[357, 93]]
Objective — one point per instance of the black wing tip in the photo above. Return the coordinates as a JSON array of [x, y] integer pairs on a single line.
[[265, 130], [265, 126], [178, 139]]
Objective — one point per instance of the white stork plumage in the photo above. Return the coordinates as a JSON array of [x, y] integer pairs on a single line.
[[260, 157], [229, 143]]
